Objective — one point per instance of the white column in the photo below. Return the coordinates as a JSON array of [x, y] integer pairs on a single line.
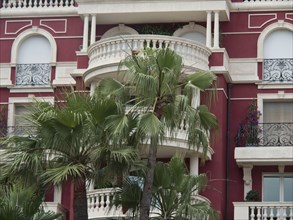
[[195, 101], [93, 29], [247, 179], [85, 32], [57, 193], [91, 185], [209, 29], [216, 30], [194, 165]]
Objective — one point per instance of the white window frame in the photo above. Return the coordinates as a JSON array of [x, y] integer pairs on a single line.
[[281, 176], [13, 101], [32, 32], [262, 97], [273, 27]]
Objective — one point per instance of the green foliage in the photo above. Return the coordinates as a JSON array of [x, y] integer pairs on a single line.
[[24, 203], [252, 196], [173, 193]]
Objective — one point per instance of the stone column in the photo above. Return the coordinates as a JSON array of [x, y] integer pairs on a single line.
[[216, 30], [85, 32], [93, 29], [209, 29], [57, 193], [194, 165]]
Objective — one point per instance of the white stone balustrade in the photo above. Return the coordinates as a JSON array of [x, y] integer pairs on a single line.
[[112, 50], [21, 4], [263, 210], [99, 204]]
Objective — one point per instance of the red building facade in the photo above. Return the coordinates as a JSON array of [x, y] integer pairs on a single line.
[[48, 45]]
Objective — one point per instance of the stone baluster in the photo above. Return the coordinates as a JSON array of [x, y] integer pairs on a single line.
[[67, 3], [252, 215], [291, 213], [265, 212], [258, 215], [278, 213], [271, 212], [108, 199], [102, 204]]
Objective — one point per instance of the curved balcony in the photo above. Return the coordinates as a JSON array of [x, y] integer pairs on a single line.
[[99, 201], [105, 55]]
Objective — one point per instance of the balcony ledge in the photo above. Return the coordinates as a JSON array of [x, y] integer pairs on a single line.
[[106, 54], [281, 155]]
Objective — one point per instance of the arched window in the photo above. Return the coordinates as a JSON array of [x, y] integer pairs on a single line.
[[121, 29], [192, 32], [33, 52], [35, 49], [279, 44], [33, 62], [274, 48]]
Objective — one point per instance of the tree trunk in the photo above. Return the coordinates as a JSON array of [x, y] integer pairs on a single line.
[[147, 190], [80, 200]]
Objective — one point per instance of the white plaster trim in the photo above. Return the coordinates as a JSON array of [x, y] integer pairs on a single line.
[[28, 33], [31, 89], [17, 21], [255, 15], [286, 16], [261, 97], [52, 29], [56, 37], [275, 85], [242, 99], [244, 32], [260, 42], [219, 89], [191, 27], [121, 28]]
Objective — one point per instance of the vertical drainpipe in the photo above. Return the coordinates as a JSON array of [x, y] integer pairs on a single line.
[[229, 86]]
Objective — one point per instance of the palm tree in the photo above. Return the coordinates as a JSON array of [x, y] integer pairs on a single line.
[[174, 193], [71, 143], [162, 96], [21, 202]]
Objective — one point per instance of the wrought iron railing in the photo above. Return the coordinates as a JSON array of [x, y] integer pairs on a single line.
[[278, 69], [10, 4], [35, 74], [7, 131], [265, 134]]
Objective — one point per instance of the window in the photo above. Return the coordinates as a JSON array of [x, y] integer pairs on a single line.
[[192, 31], [278, 188], [22, 126], [33, 62], [278, 56]]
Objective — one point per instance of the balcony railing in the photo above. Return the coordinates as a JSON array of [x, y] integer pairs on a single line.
[[263, 211], [6, 131], [18, 4], [265, 134], [278, 70], [35, 74], [99, 200], [110, 51]]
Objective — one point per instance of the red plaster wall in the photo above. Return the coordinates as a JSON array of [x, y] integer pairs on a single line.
[[239, 40], [215, 169]]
